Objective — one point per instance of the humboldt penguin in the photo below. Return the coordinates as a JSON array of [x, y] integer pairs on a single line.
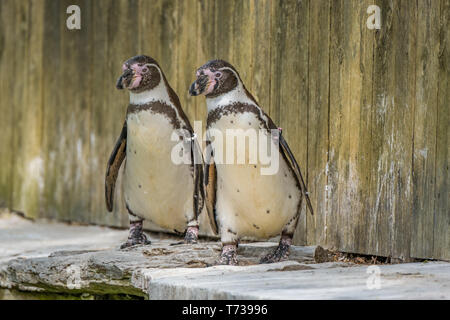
[[241, 198], [162, 180]]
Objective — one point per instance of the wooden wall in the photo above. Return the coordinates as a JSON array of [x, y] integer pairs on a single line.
[[365, 111]]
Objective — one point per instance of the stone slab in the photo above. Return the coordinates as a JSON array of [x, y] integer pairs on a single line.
[[56, 260], [316, 281]]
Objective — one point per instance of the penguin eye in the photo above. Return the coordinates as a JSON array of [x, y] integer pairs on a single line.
[[218, 74], [144, 70]]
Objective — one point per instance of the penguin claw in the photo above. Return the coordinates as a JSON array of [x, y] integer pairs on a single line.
[[228, 256], [281, 253], [132, 242], [190, 241], [191, 236], [226, 261], [136, 236], [274, 257]]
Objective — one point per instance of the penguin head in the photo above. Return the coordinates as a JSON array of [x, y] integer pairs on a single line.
[[214, 78], [139, 73]]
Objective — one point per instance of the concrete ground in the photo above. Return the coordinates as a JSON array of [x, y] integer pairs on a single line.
[[58, 261]]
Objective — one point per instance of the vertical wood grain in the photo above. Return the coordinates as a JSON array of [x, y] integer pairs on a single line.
[[425, 124], [441, 229], [19, 104], [289, 93], [261, 43], [350, 52], [187, 56], [7, 149], [318, 109], [51, 61]]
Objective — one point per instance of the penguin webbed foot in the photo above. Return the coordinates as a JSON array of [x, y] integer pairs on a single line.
[[191, 235], [228, 255], [136, 236], [281, 253]]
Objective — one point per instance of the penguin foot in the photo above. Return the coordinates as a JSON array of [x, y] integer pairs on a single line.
[[191, 235], [228, 255], [281, 253], [136, 236]]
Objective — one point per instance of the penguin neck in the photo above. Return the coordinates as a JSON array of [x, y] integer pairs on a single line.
[[158, 93], [237, 95]]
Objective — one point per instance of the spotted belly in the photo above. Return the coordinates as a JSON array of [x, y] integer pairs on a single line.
[[250, 203], [156, 188]]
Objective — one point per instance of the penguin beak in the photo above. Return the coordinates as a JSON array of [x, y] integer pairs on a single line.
[[119, 84], [125, 79], [198, 86], [193, 90]]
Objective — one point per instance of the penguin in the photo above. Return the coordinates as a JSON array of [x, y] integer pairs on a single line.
[[158, 189], [240, 199]]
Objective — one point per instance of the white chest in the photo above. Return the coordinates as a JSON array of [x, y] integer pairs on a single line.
[[156, 188], [249, 202]]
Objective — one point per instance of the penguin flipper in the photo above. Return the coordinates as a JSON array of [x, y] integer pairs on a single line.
[[294, 165], [199, 191], [210, 186], [112, 170]]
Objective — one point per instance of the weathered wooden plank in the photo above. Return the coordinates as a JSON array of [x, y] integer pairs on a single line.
[[19, 99], [107, 114], [57, 138], [318, 109], [350, 199], [242, 30], [122, 44], [7, 55], [392, 121], [160, 34], [274, 77], [205, 50], [289, 84], [401, 85], [28, 194], [441, 248], [151, 22], [351, 63], [187, 56], [51, 61], [425, 123], [356, 197], [71, 141], [101, 140], [382, 104], [168, 39], [261, 38], [223, 21], [362, 157], [84, 88], [338, 122]]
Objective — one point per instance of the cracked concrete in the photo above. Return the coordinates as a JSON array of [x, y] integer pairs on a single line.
[[48, 260]]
